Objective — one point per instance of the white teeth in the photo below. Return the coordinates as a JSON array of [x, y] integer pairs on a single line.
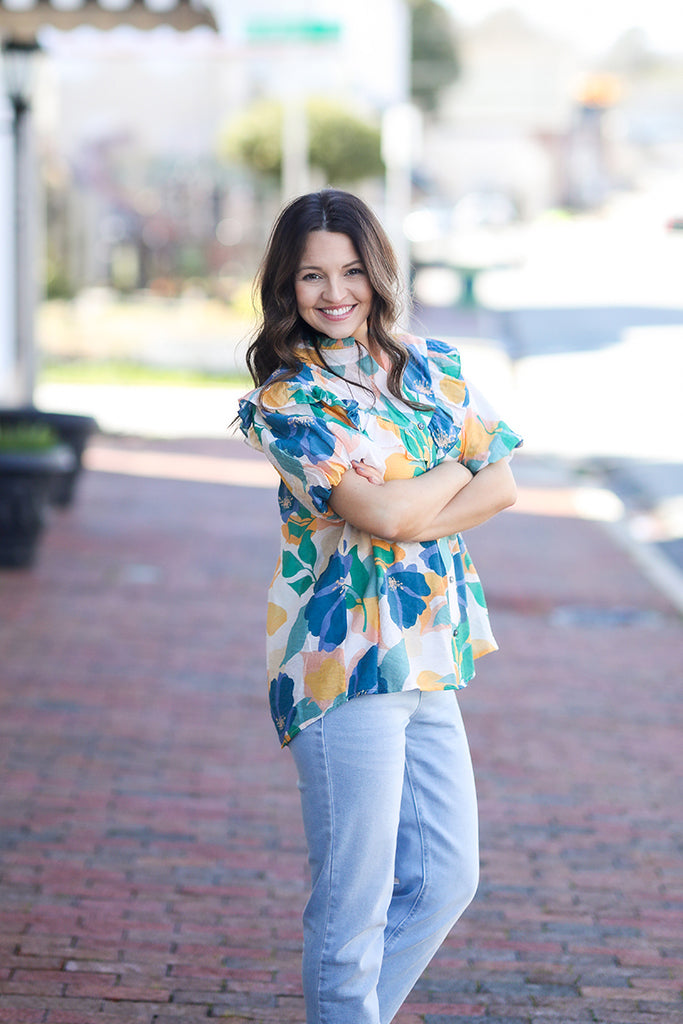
[[338, 311]]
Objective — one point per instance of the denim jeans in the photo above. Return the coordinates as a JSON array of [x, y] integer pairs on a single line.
[[390, 816]]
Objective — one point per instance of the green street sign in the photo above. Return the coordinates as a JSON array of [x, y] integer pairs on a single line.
[[292, 30]]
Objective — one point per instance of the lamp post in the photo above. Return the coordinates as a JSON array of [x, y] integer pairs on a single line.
[[17, 62]]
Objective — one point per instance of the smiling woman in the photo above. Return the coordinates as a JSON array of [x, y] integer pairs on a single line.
[[347, 233], [375, 612], [332, 290]]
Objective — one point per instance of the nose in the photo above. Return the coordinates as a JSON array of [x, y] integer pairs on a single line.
[[335, 289]]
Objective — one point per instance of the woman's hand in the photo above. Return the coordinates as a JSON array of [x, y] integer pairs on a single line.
[[368, 473]]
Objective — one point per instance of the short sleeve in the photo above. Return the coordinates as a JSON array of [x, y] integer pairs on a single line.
[[308, 437], [484, 437]]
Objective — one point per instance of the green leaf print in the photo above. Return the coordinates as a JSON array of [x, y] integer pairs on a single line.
[[297, 636], [477, 592], [291, 566], [303, 584], [307, 551]]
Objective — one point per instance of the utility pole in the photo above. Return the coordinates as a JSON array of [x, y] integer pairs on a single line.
[[400, 129]]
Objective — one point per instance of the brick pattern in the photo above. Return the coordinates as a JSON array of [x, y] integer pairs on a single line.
[[152, 865]]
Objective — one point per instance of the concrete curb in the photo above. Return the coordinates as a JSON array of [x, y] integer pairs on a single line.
[[656, 567]]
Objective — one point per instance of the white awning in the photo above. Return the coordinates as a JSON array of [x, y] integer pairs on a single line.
[[21, 20]]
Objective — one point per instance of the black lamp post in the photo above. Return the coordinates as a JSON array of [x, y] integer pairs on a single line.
[[17, 64]]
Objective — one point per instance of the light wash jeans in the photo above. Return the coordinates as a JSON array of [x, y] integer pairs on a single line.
[[390, 816]]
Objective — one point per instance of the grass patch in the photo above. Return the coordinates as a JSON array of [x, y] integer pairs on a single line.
[[76, 371]]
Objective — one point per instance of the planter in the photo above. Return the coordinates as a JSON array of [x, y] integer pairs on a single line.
[[26, 483], [71, 429]]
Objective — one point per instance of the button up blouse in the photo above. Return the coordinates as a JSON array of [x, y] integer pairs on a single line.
[[348, 613]]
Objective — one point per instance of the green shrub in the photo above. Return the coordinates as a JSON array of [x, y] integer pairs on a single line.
[[344, 146]]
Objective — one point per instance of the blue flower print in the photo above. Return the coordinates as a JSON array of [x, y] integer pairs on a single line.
[[405, 588], [326, 609], [299, 438], [364, 678], [282, 703], [443, 429], [431, 555]]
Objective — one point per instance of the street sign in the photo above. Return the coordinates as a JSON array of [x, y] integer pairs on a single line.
[[292, 30]]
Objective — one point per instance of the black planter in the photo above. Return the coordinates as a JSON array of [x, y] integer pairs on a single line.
[[71, 429], [26, 483]]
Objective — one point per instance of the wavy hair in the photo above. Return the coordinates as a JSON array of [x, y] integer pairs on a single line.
[[282, 328]]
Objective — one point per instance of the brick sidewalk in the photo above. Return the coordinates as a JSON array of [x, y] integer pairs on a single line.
[[153, 865]]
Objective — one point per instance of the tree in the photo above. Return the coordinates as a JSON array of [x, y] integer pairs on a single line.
[[254, 139], [435, 62], [342, 145]]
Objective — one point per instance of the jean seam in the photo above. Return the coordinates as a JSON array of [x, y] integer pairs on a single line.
[[400, 928], [323, 944]]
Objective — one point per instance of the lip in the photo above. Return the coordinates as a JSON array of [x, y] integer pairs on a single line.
[[329, 312]]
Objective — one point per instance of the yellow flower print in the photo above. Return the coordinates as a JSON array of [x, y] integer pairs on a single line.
[[365, 620], [277, 395], [429, 680], [476, 440], [454, 390], [324, 677], [436, 600], [277, 616], [400, 466]]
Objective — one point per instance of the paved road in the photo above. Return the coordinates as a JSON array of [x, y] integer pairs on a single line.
[[152, 865]]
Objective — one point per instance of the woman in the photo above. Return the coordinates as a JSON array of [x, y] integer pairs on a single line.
[[375, 612]]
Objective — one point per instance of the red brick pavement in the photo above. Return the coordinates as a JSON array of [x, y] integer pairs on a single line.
[[152, 865]]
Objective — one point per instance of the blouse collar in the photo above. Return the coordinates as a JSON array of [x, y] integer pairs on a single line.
[[346, 355]]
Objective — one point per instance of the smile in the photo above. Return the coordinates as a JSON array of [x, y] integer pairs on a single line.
[[337, 311]]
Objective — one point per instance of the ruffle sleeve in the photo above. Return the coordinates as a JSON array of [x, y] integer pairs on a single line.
[[484, 437], [308, 434]]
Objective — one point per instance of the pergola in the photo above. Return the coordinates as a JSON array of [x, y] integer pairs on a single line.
[[20, 25]]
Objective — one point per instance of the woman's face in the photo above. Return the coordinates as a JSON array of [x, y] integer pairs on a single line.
[[333, 293]]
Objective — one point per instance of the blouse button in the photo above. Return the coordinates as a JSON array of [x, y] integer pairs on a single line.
[[421, 426], [451, 579]]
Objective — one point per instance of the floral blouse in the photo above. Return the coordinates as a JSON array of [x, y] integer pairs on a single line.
[[349, 613]]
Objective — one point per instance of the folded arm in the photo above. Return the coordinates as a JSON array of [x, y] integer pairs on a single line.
[[489, 491], [438, 503]]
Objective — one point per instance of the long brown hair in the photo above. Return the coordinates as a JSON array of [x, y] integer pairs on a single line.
[[281, 328]]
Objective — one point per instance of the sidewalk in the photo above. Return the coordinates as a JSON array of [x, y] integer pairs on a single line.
[[152, 867]]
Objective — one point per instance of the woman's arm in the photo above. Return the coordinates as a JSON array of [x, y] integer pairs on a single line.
[[440, 502], [398, 509], [489, 491]]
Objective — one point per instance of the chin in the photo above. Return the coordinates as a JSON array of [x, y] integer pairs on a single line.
[[335, 330]]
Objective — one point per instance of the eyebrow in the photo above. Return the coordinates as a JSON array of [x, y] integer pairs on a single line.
[[344, 265]]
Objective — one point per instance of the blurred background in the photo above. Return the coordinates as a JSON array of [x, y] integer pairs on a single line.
[[526, 158]]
